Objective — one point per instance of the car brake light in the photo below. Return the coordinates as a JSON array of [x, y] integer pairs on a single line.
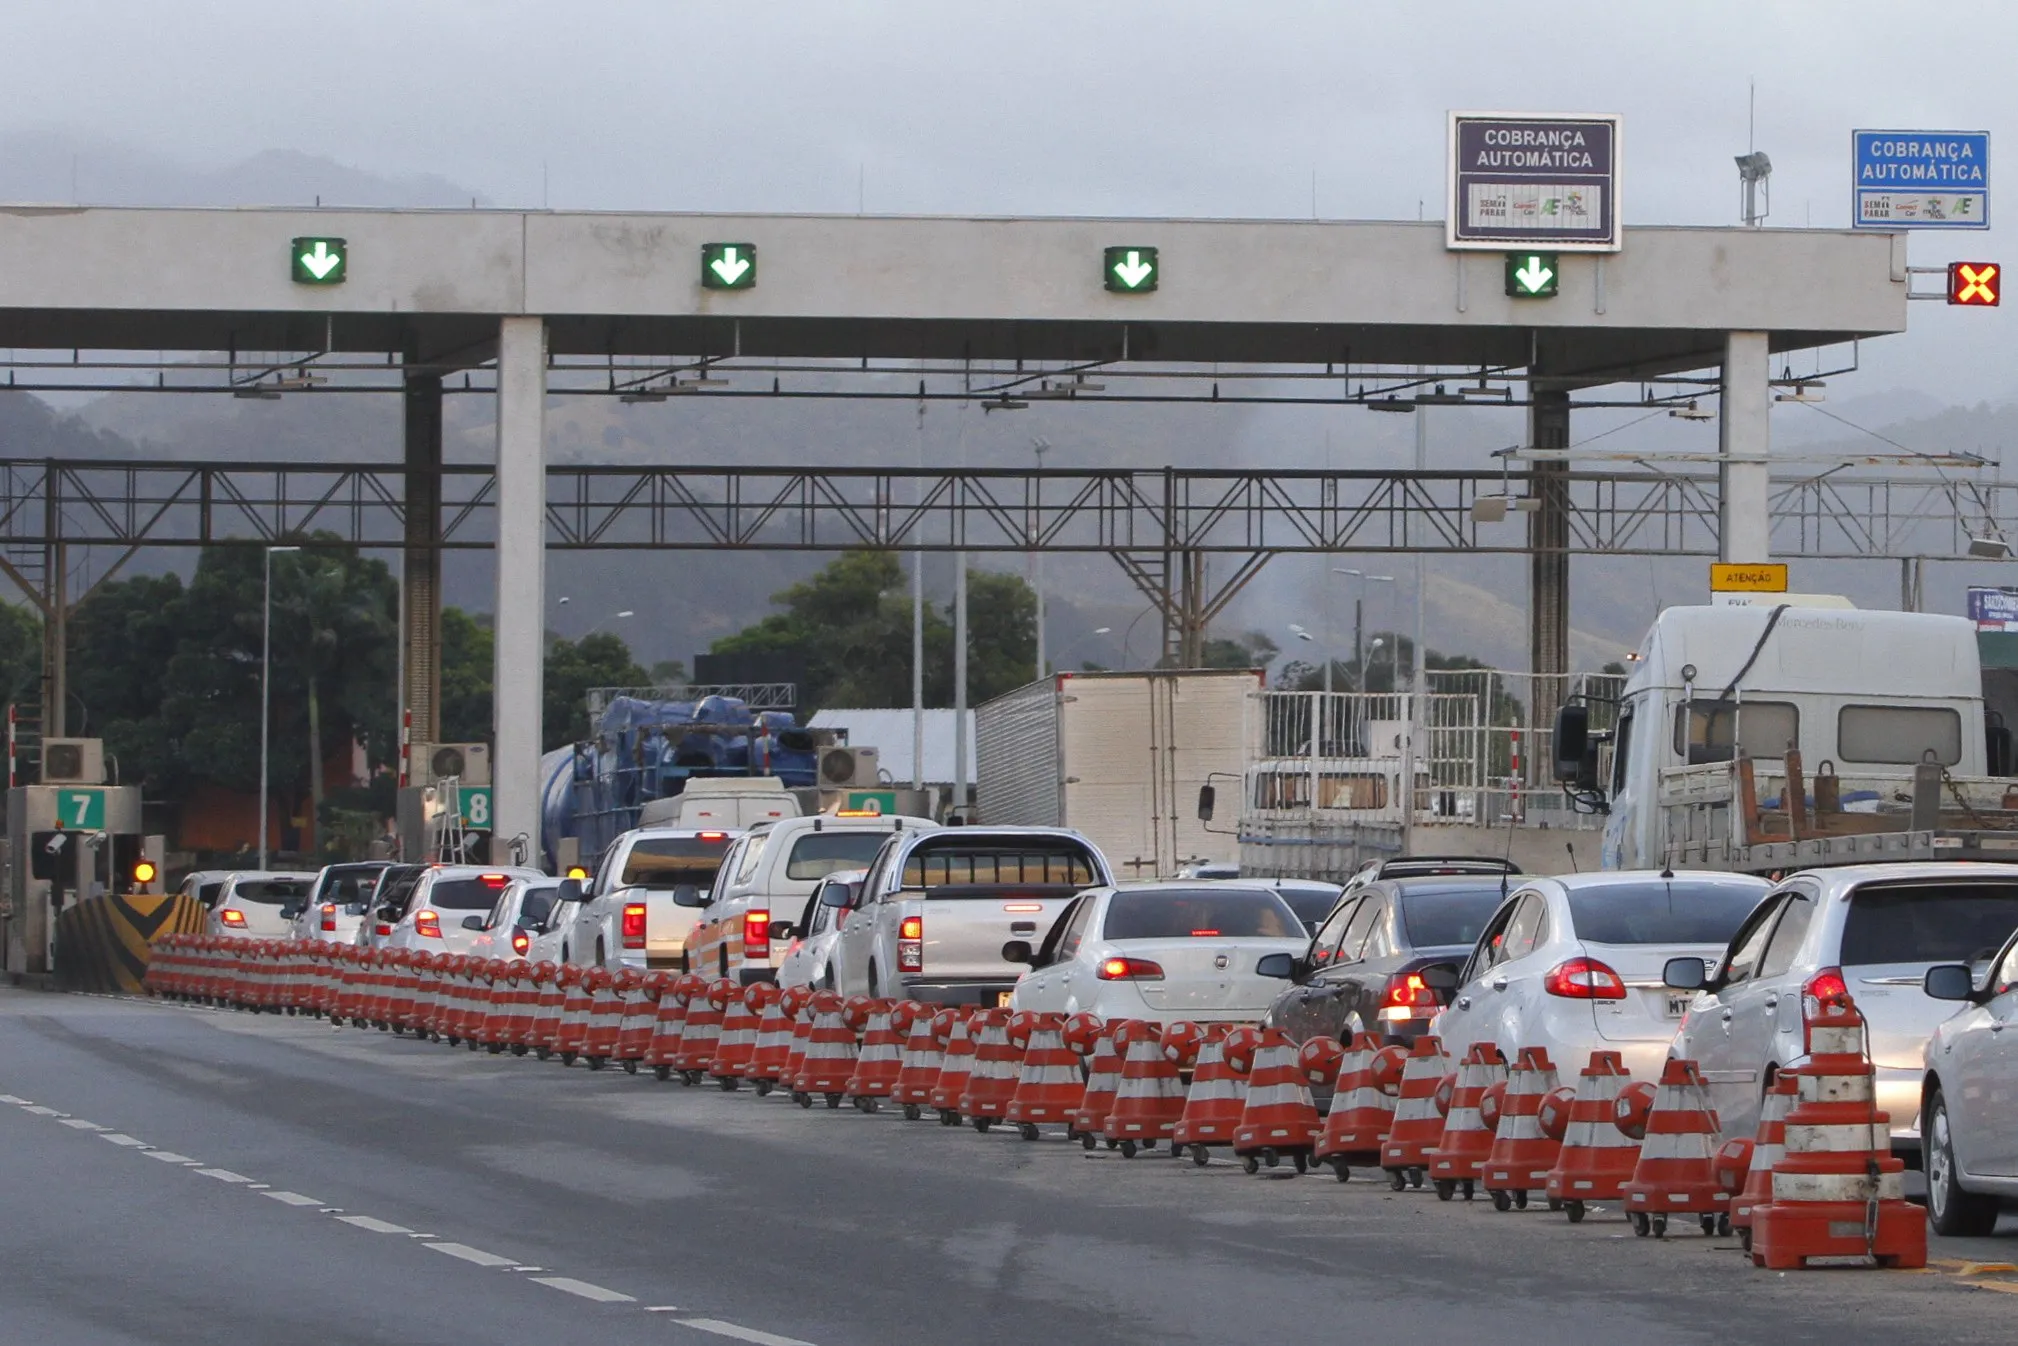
[[521, 941], [1826, 987], [1130, 969], [714, 836], [427, 924], [911, 944], [1196, 933], [233, 917], [634, 925], [1584, 979], [329, 916], [494, 880], [757, 935], [381, 930], [1406, 993], [1021, 907]]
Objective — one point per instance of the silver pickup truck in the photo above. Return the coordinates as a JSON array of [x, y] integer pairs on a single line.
[[938, 906]]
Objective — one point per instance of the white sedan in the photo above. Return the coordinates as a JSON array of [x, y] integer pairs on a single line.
[[809, 947], [1969, 1113], [1573, 964], [1160, 951]]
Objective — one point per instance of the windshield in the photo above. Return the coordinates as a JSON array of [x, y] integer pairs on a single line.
[[465, 894], [1448, 913], [1662, 911], [352, 889], [818, 854], [1310, 902], [1928, 922], [269, 892], [1230, 913], [666, 862], [1022, 861]]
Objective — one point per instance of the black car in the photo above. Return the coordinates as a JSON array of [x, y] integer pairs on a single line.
[[1363, 970]]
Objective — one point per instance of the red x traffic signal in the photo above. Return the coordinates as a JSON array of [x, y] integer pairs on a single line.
[[1976, 284]]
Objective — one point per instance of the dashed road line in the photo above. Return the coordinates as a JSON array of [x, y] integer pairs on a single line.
[[372, 1224], [80, 1124], [17, 1102], [171, 1157], [41, 1111], [469, 1254], [222, 1175], [286, 1198], [585, 1290], [735, 1333], [121, 1138]]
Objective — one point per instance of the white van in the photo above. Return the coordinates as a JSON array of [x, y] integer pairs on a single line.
[[769, 873]]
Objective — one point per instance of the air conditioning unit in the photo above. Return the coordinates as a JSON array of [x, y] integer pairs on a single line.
[[73, 761], [469, 762], [849, 767]]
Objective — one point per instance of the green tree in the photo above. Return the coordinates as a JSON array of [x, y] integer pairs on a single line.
[[333, 615], [600, 659], [468, 664], [1001, 635], [1253, 650], [20, 652], [122, 637]]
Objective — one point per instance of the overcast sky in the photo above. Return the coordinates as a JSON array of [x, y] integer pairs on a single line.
[[1090, 107]]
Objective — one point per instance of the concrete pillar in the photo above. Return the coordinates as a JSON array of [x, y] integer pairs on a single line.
[[1549, 557], [420, 660], [521, 582], [56, 645], [1745, 439]]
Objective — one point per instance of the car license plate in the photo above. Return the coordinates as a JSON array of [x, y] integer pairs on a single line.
[[1678, 1006], [1002, 997]]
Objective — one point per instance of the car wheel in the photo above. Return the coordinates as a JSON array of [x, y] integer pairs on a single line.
[[1954, 1213]]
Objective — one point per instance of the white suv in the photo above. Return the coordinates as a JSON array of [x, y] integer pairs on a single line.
[[650, 885], [447, 906]]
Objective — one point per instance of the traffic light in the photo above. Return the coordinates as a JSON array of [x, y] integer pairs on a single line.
[[1975, 284], [136, 864]]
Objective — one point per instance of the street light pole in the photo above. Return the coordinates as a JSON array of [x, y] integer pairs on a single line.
[[1359, 616], [266, 692]]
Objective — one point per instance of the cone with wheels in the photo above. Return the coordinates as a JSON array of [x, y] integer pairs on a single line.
[[1217, 1097], [1149, 1098], [703, 1029], [955, 1030], [736, 1045], [1103, 1081], [918, 1067], [774, 1035], [670, 1027], [830, 1053], [606, 1014], [574, 1028], [1597, 1159], [1278, 1121], [1677, 1169], [881, 1061], [1361, 1112], [1049, 1087], [798, 1002], [1768, 1146], [1417, 1126], [992, 1081], [641, 1010], [1466, 1140], [1522, 1151], [1837, 1190]]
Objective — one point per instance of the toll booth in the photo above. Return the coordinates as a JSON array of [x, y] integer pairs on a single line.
[[66, 844]]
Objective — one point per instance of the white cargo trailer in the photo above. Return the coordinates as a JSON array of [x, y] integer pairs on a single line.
[[1120, 757]]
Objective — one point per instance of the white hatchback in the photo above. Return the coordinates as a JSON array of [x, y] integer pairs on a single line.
[[809, 940], [1161, 952], [1574, 963], [257, 902], [442, 901]]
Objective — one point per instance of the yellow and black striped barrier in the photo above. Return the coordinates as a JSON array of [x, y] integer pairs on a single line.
[[103, 943]]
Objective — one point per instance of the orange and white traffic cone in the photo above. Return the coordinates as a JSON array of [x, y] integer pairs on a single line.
[[1597, 1158], [1466, 1140], [1103, 1082], [546, 1009], [1361, 1111], [1522, 1152], [1755, 1187], [1279, 1118], [574, 1029], [641, 1012], [774, 1036], [1418, 1125], [526, 979], [1837, 1190], [669, 1030], [702, 1031], [991, 1083], [606, 1016], [918, 1067], [1677, 1169], [830, 1053], [736, 1044], [955, 1030], [800, 1000], [1049, 1087], [1218, 1094], [881, 1061], [1150, 1097]]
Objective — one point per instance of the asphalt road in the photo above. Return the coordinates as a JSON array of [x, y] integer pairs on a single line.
[[172, 1175]]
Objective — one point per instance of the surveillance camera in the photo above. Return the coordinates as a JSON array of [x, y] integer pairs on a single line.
[[54, 846]]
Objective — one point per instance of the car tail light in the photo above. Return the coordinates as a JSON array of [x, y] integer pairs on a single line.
[[1584, 979], [232, 917], [427, 924], [494, 880], [757, 935], [521, 941], [329, 916], [1198, 933], [1022, 907], [714, 837], [1826, 987], [1130, 969], [1407, 996], [634, 925], [911, 944], [382, 930]]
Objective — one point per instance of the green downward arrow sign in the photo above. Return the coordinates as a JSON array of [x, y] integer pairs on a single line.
[[319, 261], [1531, 275]]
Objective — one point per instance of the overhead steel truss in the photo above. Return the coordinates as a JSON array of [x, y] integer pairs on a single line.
[[1161, 524]]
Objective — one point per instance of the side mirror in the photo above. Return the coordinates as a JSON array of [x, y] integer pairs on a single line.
[[472, 922], [389, 913], [835, 895], [1017, 951], [688, 895], [1279, 965], [1440, 977], [1572, 742], [1949, 981], [782, 929], [570, 890], [1207, 799], [292, 910], [1693, 974]]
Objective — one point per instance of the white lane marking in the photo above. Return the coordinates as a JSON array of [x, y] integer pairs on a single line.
[[292, 1198], [83, 1125], [662, 1308], [528, 1268], [171, 1157], [750, 1334], [584, 1289], [469, 1254], [259, 1187], [41, 1111], [121, 1138], [372, 1225], [17, 1102], [222, 1175]]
